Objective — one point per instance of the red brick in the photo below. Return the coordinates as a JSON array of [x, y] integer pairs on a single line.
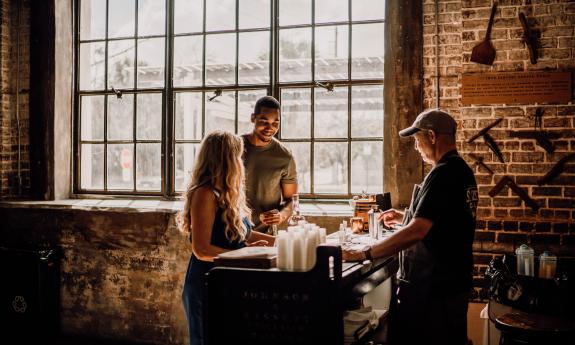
[[485, 236], [545, 239], [511, 237]]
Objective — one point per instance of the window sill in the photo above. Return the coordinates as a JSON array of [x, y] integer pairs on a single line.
[[165, 206]]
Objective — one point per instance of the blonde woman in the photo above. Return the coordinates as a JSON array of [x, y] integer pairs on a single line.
[[215, 216]]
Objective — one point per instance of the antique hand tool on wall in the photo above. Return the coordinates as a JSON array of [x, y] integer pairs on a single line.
[[507, 181], [484, 53], [542, 138], [556, 170], [530, 38], [488, 139], [479, 161]]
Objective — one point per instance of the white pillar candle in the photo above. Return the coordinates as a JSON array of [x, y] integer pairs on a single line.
[[311, 245], [298, 252], [282, 244], [322, 235]]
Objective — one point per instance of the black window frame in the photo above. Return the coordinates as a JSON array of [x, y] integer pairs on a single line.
[[274, 88]]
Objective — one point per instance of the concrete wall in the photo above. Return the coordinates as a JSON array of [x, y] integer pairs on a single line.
[[122, 271]]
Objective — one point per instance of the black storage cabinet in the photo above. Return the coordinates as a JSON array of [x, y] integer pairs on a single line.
[[30, 293]]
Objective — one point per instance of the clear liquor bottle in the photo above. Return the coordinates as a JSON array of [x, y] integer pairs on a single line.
[[296, 216]]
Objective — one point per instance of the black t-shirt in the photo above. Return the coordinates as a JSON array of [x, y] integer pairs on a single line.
[[442, 263]]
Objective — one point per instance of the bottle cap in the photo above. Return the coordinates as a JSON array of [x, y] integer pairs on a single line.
[[524, 249]]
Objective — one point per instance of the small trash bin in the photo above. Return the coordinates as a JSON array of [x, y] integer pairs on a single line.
[[30, 292]]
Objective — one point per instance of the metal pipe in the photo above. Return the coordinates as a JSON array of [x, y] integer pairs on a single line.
[[437, 52], [18, 126]]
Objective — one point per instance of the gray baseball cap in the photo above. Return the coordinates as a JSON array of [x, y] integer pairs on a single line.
[[438, 121]]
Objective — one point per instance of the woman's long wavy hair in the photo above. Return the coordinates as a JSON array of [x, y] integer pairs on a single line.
[[219, 166]]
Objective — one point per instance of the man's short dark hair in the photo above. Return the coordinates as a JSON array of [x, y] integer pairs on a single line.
[[266, 102]]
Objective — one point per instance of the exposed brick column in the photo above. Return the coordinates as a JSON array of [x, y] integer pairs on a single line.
[[10, 31], [505, 221]]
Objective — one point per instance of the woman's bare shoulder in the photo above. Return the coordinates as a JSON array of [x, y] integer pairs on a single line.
[[203, 194]]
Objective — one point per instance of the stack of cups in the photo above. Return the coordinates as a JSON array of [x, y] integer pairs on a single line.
[[297, 246]]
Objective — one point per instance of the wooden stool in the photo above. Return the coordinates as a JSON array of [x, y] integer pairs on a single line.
[[520, 327]]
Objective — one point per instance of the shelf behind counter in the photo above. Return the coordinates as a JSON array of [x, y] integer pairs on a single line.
[[269, 306]]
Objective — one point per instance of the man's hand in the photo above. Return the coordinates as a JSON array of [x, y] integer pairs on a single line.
[[391, 217], [272, 217], [260, 243], [353, 253]]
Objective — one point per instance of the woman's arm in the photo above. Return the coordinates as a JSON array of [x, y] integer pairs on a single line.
[[256, 236], [203, 213]]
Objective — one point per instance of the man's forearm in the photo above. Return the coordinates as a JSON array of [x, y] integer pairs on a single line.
[[286, 210]]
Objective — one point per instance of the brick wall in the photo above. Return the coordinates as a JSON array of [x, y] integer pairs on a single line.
[[505, 221], [10, 71]]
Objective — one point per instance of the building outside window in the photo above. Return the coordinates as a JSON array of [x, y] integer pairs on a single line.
[[154, 76]]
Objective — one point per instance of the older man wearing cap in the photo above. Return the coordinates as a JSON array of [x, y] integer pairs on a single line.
[[434, 242]]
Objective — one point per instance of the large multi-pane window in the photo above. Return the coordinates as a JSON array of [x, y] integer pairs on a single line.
[[154, 76]]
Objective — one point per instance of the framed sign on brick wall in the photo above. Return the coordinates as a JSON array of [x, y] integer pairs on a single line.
[[516, 88]]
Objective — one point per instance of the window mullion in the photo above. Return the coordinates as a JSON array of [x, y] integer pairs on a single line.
[[168, 140]]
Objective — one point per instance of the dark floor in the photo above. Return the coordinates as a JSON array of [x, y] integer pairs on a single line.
[[67, 340]]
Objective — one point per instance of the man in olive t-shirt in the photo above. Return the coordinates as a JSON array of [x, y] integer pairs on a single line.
[[271, 178]]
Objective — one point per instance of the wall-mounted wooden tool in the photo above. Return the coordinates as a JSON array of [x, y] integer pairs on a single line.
[[484, 53], [556, 170], [542, 138], [488, 139], [522, 194], [530, 39], [479, 161]]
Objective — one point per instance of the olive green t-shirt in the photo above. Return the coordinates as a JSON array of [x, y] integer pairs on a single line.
[[267, 169]]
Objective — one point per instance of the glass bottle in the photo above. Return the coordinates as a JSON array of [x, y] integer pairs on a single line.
[[373, 222], [296, 216]]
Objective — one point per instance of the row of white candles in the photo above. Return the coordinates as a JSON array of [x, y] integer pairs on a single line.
[[297, 246]]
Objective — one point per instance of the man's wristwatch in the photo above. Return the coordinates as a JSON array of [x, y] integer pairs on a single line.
[[367, 253]]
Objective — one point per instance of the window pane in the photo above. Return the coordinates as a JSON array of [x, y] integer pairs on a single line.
[[121, 64], [254, 58], [331, 11], [148, 167], [92, 118], [220, 59], [295, 54], [246, 103], [220, 15], [120, 117], [295, 113], [188, 61], [189, 16], [330, 168], [368, 9], [151, 62], [185, 158], [92, 166], [120, 160], [121, 18], [92, 58], [367, 51], [294, 12], [331, 52], [330, 113], [254, 14], [149, 116], [151, 17], [367, 111], [92, 19], [221, 112], [367, 167], [301, 154], [188, 116]]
